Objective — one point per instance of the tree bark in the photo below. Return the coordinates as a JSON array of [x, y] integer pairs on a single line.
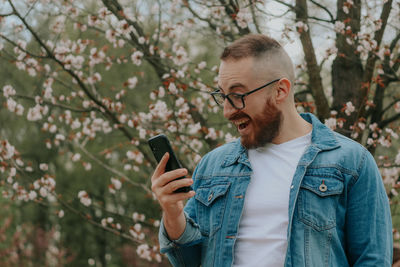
[[347, 70]]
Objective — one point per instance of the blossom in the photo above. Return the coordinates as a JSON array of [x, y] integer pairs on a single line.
[[96, 57], [111, 35], [84, 198], [136, 156], [202, 65], [301, 26], [137, 227], [137, 58], [349, 108], [132, 82], [172, 88], [96, 77], [160, 110], [212, 134], [397, 107], [43, 166], [8, 91], [144, 251], [116, 183], [32, 195], [141, 40], [76, 157], [35, 113], [11, 105], [124, 28], [339, 27], [60, 214], [7, 151], [138, 217], [180, 55], [243, 17]]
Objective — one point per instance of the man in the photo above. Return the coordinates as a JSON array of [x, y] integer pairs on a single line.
[[289, 192]]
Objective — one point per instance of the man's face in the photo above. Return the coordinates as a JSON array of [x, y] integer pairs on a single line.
[[258, 123]]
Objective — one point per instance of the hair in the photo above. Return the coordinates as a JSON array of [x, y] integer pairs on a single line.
[[252, 45], [264, 50]]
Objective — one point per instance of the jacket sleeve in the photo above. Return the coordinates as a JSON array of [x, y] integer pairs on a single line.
[[185, 251], [368, 233]]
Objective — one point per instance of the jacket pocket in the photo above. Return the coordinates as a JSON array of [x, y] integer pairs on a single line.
[[318, 198], [211, 201]]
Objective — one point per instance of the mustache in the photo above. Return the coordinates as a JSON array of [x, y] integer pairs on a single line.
[[237, 116]]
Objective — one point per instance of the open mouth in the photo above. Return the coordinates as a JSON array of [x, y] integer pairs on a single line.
[[242, 124]]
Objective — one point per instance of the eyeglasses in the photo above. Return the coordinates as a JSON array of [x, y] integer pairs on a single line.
[[235, 99]]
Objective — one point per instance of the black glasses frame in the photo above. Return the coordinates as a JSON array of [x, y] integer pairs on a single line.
[[217, 93]]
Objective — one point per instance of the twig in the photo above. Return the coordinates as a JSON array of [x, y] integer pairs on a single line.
[[112, 170]]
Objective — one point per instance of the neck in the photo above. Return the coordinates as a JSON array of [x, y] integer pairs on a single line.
[[292, 126]]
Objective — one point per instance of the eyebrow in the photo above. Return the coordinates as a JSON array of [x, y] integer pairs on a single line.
[[233, 86]]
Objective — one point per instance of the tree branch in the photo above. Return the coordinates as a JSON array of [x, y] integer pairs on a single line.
[[232, 9], [390, 105], [293, 8], [393, 44], [313, 70], [103, 109], [383, 123], [112, 170], [253, 14], [370, 65], [325, 9], [22, 49], [73, 109]]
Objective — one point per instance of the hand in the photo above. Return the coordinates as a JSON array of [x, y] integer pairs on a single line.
[[163, 185]]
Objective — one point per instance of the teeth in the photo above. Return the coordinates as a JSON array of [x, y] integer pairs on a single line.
[[237, 123]]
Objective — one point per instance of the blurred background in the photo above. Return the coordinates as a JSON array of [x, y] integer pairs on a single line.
[[84, 84]]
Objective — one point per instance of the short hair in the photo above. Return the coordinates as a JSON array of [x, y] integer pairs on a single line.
[[263, 49], [251, 45]]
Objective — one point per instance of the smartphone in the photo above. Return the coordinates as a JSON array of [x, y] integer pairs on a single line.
[[159, 145]]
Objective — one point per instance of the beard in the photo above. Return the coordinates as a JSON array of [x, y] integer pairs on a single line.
[[266, 126]]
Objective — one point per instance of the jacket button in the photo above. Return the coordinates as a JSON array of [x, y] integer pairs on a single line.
[[210, 196], [323, 187]]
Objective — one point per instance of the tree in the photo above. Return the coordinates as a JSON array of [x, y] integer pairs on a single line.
[[91, 82]]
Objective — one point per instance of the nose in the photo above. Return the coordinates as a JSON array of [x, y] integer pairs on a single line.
[[228, 109]]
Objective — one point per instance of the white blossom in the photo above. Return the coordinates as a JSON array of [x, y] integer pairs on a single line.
[[76, 157], [8, 91], [349, 108], [212, 134], [84, 198], [132, 82], [7, 150], [35, 113], [60, 214], [11, 105], [43, 166], [144, 251], [137, 58], [116, 183], [339, 27], [32, 195]]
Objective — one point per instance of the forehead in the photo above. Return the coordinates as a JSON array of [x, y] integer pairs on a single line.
[[249, 72], [235, 72]]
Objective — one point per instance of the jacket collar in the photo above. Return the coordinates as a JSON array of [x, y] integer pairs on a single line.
[[322, 137]]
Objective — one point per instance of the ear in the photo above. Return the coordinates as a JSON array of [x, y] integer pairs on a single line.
[[283, 89]]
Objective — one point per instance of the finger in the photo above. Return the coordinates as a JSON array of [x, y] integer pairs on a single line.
[[176, 197], [160, 169], [172, 186], [170, 176]]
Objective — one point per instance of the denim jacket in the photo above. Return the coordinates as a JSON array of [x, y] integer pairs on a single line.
[[347, 222]]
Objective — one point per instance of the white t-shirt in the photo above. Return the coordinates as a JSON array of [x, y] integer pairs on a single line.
[[262, 240]]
